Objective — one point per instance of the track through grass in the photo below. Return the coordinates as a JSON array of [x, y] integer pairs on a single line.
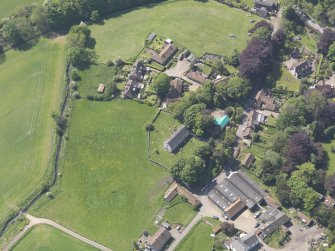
[[46, 238]]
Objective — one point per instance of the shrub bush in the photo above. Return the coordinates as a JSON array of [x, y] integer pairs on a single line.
[[75, 76], [149, 127]]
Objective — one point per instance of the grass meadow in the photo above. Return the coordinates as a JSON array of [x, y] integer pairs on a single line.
[[198, 239], [201, 26], [29, 92], [108, 191], [8, 6], [47, 238]]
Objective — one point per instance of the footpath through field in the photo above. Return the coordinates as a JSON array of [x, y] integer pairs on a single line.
[[37, 221]]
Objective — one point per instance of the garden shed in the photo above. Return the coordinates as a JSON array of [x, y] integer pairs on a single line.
[[221, 121]]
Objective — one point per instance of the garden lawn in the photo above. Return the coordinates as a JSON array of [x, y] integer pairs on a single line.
[[108, 191], [47, 238], [280, 77], [92, 77], [201, 26], [179, 212], [331, 155], [30, 88], [7, 7], [309, 40], [198, 239], [165, 125]]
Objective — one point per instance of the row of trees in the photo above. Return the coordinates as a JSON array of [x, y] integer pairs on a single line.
[[55, 15], [78, 53]]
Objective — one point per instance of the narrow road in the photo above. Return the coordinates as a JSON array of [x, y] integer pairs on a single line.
[[37, 221], [277, 21], [179, 236]]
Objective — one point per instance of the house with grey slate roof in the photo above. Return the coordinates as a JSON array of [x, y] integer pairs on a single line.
[[245, 243], [273, 219], [270, 5]]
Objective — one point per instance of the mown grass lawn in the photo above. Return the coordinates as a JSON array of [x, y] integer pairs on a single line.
[[7, 7], [30, 87], [108, 191], [165, 125], [201, 26], [198, 239], [282, 78], [309, 40], [179, 212], [331, 155], [93, 76], [47, 238]]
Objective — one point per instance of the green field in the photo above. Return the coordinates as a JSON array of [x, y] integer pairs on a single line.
[[29, 92], [46, 238], [108, 191], [8, 6], [201, 26], [179, 212], [165, 125], [198, 239]]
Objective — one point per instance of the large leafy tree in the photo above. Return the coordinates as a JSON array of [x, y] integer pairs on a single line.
[[235, 90], [301, 190], [80, 57], [190, 171], [330, 184], [293, 113], [256, 59], [299, 149], [325, 41], [331, 52], [79, 36], [11, 33], [161, 84]]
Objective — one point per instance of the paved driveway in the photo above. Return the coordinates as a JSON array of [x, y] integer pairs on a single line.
[[178, 71]]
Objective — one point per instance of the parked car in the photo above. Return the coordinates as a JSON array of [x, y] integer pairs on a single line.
[[215, 217], [256, 215], [256, 225]]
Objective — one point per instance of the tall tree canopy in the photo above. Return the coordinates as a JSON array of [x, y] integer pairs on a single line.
[[256, 59]]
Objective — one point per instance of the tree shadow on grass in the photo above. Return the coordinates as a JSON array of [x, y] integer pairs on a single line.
[[25, 46], [91, 43], [2, 58], [274, 75]]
